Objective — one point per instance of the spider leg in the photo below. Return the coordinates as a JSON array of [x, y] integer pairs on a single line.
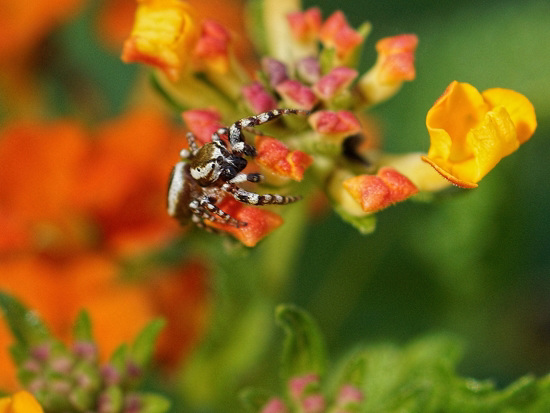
[[236, 138], [252, 198], [218, 215], [252, 177], [192, 140]]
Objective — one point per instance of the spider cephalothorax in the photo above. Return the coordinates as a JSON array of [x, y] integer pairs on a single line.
[[207, 173]]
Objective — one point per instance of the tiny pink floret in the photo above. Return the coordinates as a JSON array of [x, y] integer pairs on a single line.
[[274, 405], [202, 123], [258, 99], [328, 122], [298, 385], [334, 82], [296, 94]]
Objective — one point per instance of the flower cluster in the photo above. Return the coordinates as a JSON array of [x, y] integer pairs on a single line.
[[311, 63], [305, 396], [72, 379]]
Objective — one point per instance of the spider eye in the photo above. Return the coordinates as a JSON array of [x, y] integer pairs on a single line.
[[219, 159]]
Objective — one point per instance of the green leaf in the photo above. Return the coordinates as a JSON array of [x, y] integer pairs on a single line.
[[365, 224], [303, 347], [25, 324], [144, 344], [82, 329], [253, 399], [120, 357], [153, 403]]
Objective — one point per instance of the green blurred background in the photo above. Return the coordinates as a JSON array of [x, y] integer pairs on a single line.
[[475, 264]]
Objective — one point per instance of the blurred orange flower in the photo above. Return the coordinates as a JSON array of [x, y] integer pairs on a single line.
[[71, 207], [470, 132]]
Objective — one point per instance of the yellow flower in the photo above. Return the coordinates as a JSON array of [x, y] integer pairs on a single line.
[[470, 132], [163, 35], [20, 402]]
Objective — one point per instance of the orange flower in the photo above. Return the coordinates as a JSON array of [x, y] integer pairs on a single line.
[[40, 164], [305, 25], [163, 35], [470, 132], [24, 24], [338, 34], [275, 156], [71, 206], [260, 221], [376, 192], [20, 402], [394, 65]]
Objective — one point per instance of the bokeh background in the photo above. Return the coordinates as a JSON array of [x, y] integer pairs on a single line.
[[475, 264]]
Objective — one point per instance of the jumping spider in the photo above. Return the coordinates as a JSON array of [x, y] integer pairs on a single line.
[[206, 174]]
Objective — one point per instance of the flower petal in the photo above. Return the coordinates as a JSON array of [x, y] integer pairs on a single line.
[[335, 125], [376, 192], [163, 35], [277, 158], [20, 402], [212, 47], [470, 133], [519, 108], [260, 222]]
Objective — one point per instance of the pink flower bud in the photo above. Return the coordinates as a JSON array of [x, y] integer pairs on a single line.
[[275, 405], [314, 403], [212, 48], [298, 385], [335, 125], [258, 99], [334, 82], [296, 95], [308, 69], [349, 394], [275, 70], [202, 123]]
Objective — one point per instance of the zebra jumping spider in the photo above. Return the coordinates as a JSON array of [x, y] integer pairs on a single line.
[[207, 173]]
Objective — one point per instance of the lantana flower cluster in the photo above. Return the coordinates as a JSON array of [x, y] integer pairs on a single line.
[[309, 62]]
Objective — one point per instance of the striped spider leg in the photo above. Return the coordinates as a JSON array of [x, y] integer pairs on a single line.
[[207, 173]]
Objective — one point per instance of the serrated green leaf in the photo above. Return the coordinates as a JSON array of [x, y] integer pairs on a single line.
[[365, 225], [154, 403], [254, 400], [303, 347], [82, 329], [144, 344], [25, 324]]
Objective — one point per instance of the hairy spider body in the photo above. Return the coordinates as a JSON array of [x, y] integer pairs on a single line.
[[208, 173]]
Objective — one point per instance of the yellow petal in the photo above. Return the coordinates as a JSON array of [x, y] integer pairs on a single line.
[[163, 35], [521, 110], [471, 132], [20, 402]]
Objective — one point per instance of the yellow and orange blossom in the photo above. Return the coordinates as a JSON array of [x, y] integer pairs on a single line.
[[470, 132], [20, 402], [163, 35]]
